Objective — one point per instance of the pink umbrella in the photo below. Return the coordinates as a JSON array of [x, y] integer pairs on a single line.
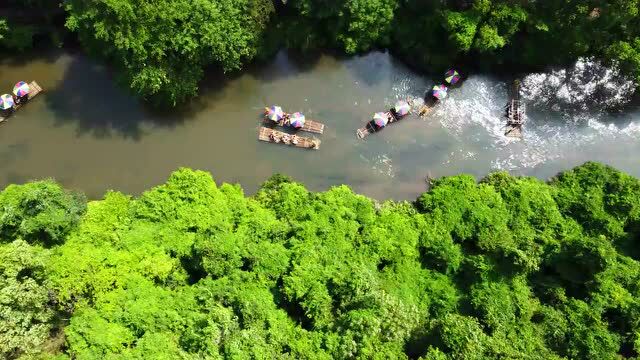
[[21, 89], [297, 120], [380, 119], [439, 92], [274, 113], [402, 108]]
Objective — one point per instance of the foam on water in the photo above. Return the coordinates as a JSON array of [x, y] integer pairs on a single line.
[[568, 110], [587, 86]]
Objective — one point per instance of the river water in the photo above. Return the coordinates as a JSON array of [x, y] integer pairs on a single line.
[[89, 134]]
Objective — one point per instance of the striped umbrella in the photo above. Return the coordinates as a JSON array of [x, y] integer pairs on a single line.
[[380, 119], [452, 77], [439, 92], [6, 102], [297, 120], [402, 108], [21, 89], [274, 113]]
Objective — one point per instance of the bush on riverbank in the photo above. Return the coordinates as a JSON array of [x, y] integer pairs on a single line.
[[161, 48], [508, 267]]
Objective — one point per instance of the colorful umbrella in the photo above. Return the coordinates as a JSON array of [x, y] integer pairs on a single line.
[[274, 113], [452, 77], [439, 92], [21, 89], [402, 108], [6, 102], [380, 119], [297, 120]]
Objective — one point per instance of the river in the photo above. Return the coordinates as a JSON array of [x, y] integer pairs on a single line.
[[89, 134]]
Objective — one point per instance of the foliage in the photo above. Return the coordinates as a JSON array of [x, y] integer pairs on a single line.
[[40, 212], [25, 313], [627, 55], [22, 23], [162, 47], [507, 267], [3, 28]]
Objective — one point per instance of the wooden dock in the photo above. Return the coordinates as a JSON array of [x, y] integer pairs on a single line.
[[34, 90], [514, 113], [309, 126], [278, 137], [371, 127]]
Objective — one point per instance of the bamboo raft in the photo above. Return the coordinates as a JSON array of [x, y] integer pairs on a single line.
[[34, 90], [371, 128], [427, 107], [309, 126], [514, 113], [303, 142]]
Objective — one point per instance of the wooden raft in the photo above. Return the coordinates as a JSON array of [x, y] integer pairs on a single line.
[[309, 126], [514, 113], [371, 127], [34, 90], [303, 142]]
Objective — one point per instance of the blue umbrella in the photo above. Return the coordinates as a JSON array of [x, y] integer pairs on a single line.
[[6, 102]]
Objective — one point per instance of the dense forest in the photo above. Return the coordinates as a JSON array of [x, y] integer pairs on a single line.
[[505, 268], [161, 48]]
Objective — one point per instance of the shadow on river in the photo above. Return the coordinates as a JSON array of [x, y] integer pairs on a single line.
[[90, 134]]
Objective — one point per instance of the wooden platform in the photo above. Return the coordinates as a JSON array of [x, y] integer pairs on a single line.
[[309, 126], [303, 142], [371, 128], [34, 90], [514, 113]]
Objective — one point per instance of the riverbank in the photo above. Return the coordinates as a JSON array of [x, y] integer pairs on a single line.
[[492, 35]]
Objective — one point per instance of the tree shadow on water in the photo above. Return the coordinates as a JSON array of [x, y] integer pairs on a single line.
[[284, 64], [89, 97]]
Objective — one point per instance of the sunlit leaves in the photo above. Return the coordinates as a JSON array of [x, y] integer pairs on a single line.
[[25, 313], [507, 267]]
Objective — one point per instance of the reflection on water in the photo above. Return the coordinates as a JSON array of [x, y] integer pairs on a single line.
[[89, 134]]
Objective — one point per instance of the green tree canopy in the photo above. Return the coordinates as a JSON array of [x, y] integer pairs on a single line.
[[162, 47], [40, 212], [508, 267]]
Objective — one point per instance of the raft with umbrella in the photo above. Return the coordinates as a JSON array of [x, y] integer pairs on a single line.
[[452, 78], [21, 90], [279, 137], [514, 113], [274, 115], [382, 119]]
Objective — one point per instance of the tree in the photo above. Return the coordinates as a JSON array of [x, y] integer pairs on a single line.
[[26, 315], [162, 48], [508, 267], [627, 55], [3, 28], [40, 212]]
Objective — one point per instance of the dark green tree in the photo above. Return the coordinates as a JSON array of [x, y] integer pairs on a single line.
[[40, 212]]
